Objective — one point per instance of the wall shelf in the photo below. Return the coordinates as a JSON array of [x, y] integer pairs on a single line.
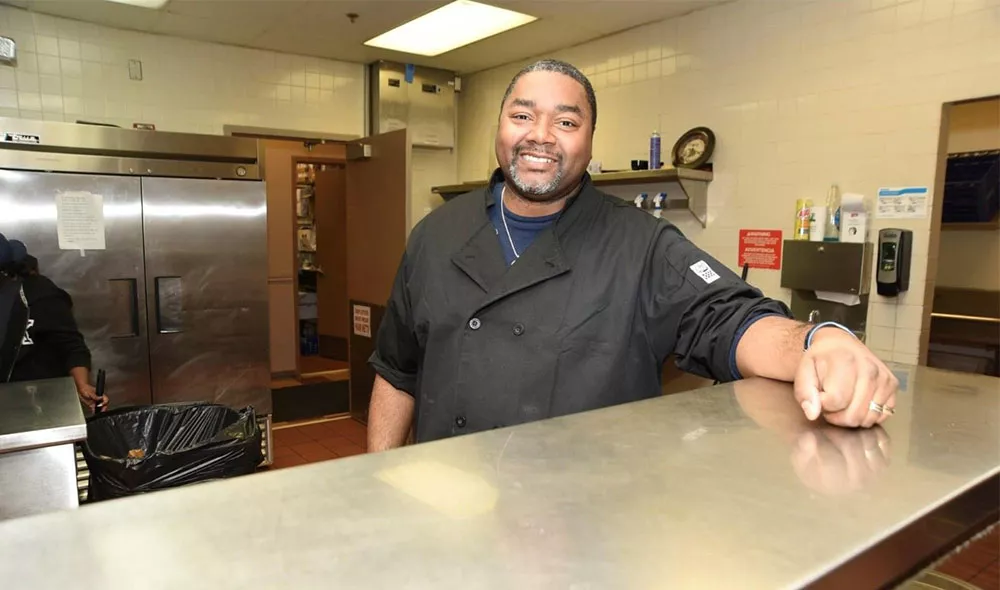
[[694, 183]]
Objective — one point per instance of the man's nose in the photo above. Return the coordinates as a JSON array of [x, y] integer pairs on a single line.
[[541, 132]]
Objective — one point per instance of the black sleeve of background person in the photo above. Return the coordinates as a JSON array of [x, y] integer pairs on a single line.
[[692, 318], [54, 326], [397, 351]]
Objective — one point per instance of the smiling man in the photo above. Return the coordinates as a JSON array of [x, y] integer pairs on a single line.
[[541, 296]]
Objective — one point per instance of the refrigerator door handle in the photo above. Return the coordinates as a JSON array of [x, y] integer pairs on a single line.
[[125, 293], [169, 313]]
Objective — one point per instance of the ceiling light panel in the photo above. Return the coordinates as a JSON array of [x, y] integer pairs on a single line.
[[452, 26], [153, 4]]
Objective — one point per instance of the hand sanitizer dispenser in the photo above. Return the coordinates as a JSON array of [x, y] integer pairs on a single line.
[[893, 263]]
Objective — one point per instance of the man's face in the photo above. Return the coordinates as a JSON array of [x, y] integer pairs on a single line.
[[544, 140]]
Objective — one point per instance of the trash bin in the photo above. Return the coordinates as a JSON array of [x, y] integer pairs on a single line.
[[143, 449]]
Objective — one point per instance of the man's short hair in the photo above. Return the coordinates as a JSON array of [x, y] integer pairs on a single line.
[[559, 67]]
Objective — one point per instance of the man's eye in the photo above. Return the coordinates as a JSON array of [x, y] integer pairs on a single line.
[[521, 117], [567, 124]]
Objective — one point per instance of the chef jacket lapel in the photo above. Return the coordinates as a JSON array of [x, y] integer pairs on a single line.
[[482, 259]]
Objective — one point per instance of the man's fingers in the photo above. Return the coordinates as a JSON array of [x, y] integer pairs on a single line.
[[807, 388], [870, 384], [838, 385], [890, 401], [883, 394]]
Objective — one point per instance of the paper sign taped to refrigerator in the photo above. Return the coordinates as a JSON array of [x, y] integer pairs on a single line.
[[363, 321], [80, 220]]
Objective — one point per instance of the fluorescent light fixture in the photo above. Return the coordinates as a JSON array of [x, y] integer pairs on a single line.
[[154, 4], [452, 26]]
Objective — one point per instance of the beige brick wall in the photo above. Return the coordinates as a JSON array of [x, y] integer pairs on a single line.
[[69, 70], [801, 95]]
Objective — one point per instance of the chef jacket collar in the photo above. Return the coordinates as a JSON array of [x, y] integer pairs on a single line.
[[550, 255]]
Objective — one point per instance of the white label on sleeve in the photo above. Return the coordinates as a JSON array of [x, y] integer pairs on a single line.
[[703, 270]]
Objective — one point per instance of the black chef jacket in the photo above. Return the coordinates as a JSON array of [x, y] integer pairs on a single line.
[[583, 320]]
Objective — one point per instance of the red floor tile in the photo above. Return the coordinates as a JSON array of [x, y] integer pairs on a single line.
[[314, 452], [342, 446], [284, 451], [289, 436], [287, 461], [315, 431], [351, 430], [989, 578]]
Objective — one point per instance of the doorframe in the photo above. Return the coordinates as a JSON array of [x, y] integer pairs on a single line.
[[287, 134], [296, 160]]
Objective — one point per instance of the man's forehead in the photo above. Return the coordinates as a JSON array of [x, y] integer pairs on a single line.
[[538, 89]]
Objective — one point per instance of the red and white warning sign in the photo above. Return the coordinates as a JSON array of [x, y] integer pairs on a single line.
[[760, 248], [363, 321]]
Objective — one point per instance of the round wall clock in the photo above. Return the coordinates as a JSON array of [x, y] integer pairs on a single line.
[[694, 148]]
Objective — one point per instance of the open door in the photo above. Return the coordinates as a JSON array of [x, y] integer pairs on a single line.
[[378, 190], [331, 262]]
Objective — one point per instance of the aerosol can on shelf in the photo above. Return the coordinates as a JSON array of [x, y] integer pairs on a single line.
[[654, 151]]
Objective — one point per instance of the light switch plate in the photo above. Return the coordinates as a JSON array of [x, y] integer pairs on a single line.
[[134, 69], [8, 51]]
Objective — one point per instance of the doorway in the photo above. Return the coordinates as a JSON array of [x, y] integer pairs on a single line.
[[321, 278], [964, 320]]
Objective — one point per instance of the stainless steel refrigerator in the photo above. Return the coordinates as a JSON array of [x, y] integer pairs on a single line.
[[160, 239]]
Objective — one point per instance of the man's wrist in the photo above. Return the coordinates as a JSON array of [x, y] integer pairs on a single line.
[[825, 329]]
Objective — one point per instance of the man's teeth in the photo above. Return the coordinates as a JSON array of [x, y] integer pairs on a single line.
[[537, 159]]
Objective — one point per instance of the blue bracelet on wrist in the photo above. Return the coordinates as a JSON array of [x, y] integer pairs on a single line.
[[812, 332]]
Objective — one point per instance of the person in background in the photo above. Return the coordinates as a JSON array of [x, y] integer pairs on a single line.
[[52, 345], [541, 296]]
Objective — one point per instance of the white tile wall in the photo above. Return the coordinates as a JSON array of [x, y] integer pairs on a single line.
[[799, 94], [68, 70]]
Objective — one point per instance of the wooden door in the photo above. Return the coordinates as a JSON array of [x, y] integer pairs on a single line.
[[331, 259], [378, 189]]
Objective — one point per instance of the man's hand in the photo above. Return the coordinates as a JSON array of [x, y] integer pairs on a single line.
[[88, 395], [839, 378]]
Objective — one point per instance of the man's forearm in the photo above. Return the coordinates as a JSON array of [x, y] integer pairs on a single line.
[[80, 375], [389, 416], [771, 347]]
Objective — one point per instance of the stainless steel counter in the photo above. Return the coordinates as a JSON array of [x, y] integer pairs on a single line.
[[39, 423], [39, 414], [726, 487]]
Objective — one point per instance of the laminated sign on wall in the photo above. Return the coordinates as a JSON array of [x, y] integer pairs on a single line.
[[363, 321], [907, 202], [80, 220], [760, 248]]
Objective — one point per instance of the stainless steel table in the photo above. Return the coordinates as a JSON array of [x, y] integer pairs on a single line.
[[726, 487], [40, 421]]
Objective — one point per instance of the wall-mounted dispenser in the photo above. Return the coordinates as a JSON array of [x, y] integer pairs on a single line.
[[829, 282], [894, 249]]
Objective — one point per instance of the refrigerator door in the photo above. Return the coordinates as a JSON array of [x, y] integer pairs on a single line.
[[107, 285], [206, 283]]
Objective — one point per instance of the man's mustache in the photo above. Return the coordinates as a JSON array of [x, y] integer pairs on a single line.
[[536, 149]]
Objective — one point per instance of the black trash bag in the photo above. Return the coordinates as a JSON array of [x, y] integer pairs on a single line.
[[137, 450]]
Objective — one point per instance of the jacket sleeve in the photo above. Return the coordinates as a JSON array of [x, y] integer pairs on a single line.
[[397, 350], [56, 328], [695, 308]]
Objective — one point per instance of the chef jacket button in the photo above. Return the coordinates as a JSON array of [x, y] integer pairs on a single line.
[[460, 421], [518, 329], [474, 323]]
